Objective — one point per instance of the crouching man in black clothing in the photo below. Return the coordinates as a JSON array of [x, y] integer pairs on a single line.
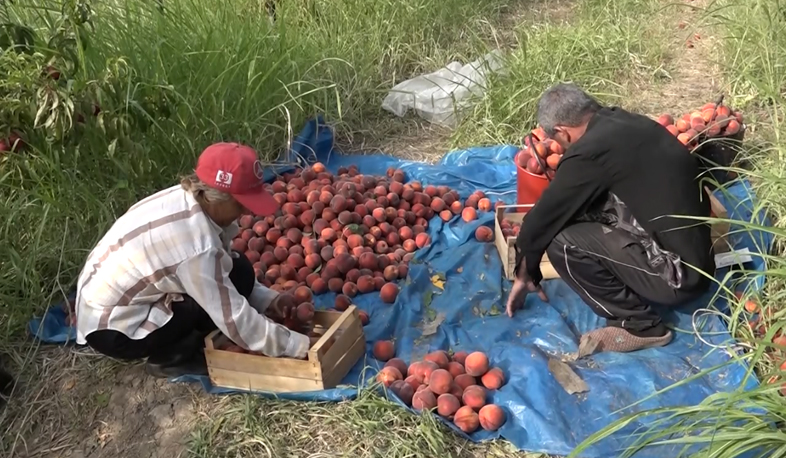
[[607, 220]]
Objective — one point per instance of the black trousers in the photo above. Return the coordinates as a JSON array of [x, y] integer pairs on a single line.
[[609, 270], [181, 335]]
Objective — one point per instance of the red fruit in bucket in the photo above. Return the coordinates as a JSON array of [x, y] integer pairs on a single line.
[[533, 166]]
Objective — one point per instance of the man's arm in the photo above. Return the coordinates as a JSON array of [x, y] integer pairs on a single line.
[[205, 278], [578, 182], [261, 297]]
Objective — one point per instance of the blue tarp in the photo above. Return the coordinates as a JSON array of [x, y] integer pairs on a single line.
[[541, 415]]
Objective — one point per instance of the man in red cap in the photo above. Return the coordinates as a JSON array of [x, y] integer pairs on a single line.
[[164, 276]]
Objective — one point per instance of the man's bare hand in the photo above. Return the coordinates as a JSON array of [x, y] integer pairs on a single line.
[[522, 287], [283, 307]]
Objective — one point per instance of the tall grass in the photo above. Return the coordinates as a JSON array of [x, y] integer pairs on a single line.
[[170, 82], [604, 43], [744, 423]]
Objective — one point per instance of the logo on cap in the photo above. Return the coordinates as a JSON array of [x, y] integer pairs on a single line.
[[223, 179], [258, 170]]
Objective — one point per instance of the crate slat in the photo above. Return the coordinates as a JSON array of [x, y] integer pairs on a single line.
[[262, 382], [346, 363]]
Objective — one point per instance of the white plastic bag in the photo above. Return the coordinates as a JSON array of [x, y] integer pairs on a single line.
[[440, 96]]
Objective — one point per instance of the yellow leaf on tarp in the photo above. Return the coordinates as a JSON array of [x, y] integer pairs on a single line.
[[438, 281]]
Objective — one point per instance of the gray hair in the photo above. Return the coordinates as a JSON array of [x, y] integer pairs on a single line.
[[565, 105], [199, 189]]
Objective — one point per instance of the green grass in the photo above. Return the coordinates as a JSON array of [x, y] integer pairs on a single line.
[[727, 425]]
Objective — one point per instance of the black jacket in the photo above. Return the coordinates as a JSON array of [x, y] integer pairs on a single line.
[[646, 167]]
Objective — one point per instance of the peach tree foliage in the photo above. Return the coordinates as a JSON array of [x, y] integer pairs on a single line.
[[49, 90]]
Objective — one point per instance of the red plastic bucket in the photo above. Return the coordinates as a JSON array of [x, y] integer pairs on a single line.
[[529, 186]]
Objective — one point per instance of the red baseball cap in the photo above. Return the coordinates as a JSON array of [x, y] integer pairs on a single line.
[[236, 170]]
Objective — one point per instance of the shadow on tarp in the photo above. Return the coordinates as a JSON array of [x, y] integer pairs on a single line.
[[542, 417]]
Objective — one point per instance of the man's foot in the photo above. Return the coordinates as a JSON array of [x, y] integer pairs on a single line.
[[619, 340], [195, 365]]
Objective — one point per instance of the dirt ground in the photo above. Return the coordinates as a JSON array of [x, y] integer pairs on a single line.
[[70, 402]]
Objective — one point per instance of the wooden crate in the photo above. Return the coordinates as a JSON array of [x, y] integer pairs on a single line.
[[507, 250], [719, 230], [323, 369], [506, 246]]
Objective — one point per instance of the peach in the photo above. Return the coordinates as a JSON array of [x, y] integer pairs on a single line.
[[456, 207], [493, 379], [388, 375], [424, 400], [553, 161], [261, 228], [522, 157], [241, 246], [732, 128], [440, 381], [310, 279], [665, 120], [466, 419], [474, 396], [455, 368], [253, 256], [355, 240], [484, 234], [465, 381], [447, 404], [364, 318], [319, 286], [414, 381], [342, 302], [484, 204], [296, 261], [438, 357], [379, 282], [403, 391], [353, 275], [365, 284], [398, 363], [437, 204], [302, 294], [469, 214], [456, 390], [350, 289], [460, 357], [422, 239], [335, 284], [491, 417], [476, 364], [384, 350], [682, 125], [388, 293], [369, 261], [390, 273], [345, 262], [305, 312], [313, 260]]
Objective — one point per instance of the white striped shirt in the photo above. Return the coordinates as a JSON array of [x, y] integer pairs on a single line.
[[165, 247]]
